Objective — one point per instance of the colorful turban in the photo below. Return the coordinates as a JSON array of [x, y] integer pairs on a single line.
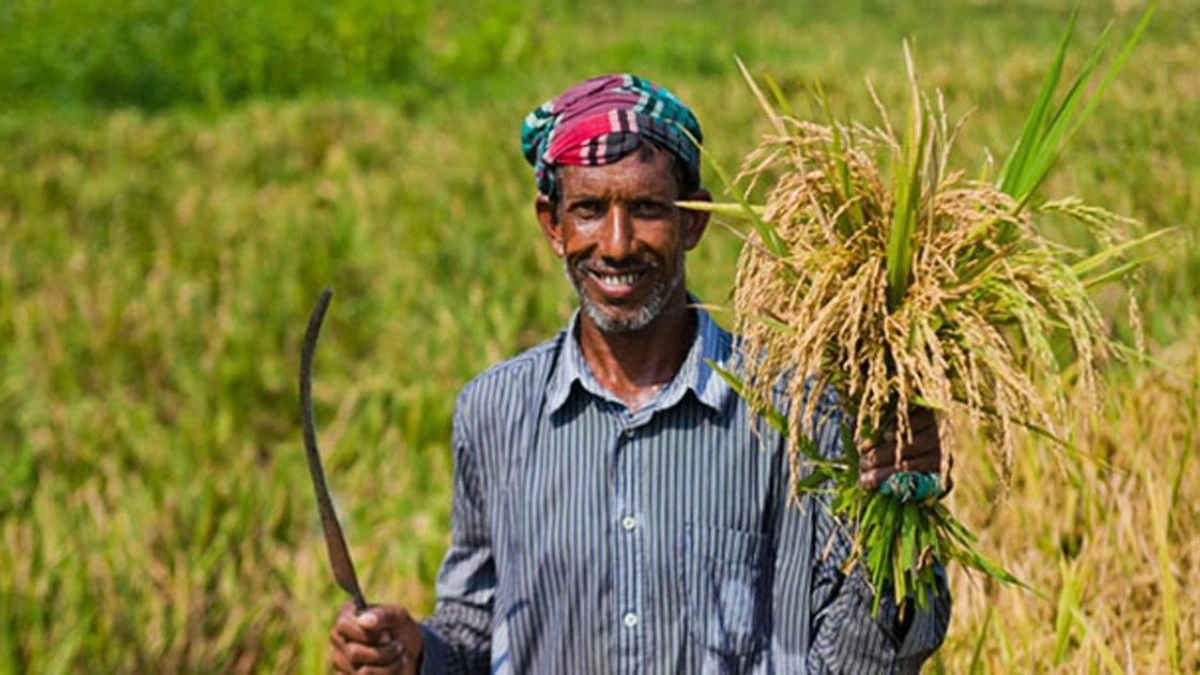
[[603, 119]]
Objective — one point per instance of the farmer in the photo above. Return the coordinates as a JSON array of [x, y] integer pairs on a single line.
[[617, 507]]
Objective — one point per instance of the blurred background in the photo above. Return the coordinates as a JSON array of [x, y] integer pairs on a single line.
[[180, 178]]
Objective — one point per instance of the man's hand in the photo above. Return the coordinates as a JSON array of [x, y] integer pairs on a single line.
[[382, 640], [876, 463]]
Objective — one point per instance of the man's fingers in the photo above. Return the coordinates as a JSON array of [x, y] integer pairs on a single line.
[[878, 456], [920, 454], [341, 662], [404, 667], [920, 419], [390, 654], [350, 626], [923, 453], [873, 478], [382, 639], [924, 437], [377, 625]]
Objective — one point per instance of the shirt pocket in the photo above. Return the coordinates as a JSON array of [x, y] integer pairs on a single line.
[[727, 581]]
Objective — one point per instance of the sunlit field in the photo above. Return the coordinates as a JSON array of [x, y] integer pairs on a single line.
[[177, 187]]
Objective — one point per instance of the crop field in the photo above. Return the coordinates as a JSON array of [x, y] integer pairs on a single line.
[[178, 181]]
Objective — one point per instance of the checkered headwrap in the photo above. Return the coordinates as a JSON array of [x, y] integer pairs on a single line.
[[600, 120]]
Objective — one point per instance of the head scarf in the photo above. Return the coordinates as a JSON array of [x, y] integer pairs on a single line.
[[601, 120]]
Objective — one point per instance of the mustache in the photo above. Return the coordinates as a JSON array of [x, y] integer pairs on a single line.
[[616, 266]]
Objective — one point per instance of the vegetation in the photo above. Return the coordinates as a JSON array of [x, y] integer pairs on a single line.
[[880, 270], [159, 255]]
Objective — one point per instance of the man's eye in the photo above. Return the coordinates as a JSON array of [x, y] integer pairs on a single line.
[[649, 210], [588, 209]]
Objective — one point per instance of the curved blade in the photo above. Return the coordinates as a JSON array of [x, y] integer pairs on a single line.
[[339, 555]]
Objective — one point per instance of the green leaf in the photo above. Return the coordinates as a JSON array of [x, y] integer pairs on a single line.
[[809, 449], [1048, 129], [1014, 166], [768, 411], [777, 94], [976, 665], [907, 191], [814, 480], [741, 210], [770, 237], [774, 117], [1083, 267], [1116, 68], [1068, 602], [776, 324]]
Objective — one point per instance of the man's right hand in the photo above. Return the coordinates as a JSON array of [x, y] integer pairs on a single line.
[[383, 639]]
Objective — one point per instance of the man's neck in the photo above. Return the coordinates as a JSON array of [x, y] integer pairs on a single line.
[[634, 365]]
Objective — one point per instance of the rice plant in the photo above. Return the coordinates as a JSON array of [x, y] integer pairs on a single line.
[[877, 269]]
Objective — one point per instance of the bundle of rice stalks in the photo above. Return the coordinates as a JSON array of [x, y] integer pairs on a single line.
[[877, 270]]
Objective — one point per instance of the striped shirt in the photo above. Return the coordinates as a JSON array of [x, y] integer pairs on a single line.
[[589, 538]]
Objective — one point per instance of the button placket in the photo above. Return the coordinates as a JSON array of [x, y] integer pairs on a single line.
[[628, 545]]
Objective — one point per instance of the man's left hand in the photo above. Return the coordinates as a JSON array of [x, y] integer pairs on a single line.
[[877, 462]]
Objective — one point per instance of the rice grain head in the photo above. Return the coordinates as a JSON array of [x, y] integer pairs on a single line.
[[989, 302]]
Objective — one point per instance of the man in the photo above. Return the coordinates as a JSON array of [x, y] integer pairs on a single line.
[[617, 508]]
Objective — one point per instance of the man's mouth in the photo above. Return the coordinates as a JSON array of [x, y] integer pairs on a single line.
[[616, 281]]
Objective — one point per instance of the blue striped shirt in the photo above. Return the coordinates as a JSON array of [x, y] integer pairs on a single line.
[[589, 538]]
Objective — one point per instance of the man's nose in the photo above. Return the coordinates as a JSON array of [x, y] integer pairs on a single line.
[[617, 239]]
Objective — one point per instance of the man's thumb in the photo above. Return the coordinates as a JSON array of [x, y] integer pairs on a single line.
[[370, 618]]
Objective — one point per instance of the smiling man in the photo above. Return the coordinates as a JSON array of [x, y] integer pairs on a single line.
[[626, 273], [622, 241], [617, 508]]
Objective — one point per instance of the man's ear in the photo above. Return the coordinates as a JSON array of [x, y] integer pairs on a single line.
[[547, 215], [695, 222]]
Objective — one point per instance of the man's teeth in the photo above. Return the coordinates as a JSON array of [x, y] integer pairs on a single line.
[[617, 279]]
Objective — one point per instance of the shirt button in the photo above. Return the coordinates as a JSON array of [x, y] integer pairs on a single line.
[[628, 522], [630, 620]]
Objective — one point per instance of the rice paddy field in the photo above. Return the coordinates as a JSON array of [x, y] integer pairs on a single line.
[[178, 181]]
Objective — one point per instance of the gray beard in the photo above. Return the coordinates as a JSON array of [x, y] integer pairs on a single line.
[[660, 294]]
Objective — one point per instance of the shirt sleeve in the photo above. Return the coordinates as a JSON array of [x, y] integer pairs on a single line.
[[845, 637], [458, 634], [823, 621]]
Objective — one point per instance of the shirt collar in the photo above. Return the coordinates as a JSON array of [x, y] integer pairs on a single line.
[[710, 342]]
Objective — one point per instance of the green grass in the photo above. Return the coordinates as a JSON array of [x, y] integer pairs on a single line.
[[162, 239]]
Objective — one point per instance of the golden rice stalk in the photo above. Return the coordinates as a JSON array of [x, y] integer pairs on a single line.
[[974, 333], [876, 271]]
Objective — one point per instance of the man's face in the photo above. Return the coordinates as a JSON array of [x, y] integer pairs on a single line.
[[622, 239]]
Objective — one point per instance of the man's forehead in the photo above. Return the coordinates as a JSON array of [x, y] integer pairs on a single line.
[[634, 175]]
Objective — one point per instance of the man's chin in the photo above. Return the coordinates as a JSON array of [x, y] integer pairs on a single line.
[[625, 320]]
